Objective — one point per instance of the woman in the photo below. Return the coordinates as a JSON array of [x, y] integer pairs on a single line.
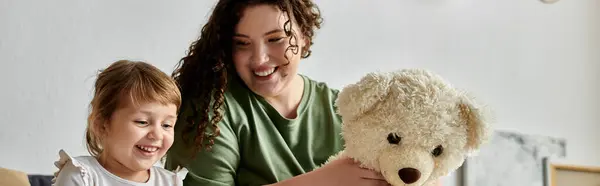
[[248, 117]]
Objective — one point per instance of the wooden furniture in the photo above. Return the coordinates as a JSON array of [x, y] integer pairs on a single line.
[[563, 174], [13, 177]]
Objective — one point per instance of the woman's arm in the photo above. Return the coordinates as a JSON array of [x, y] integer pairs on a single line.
[[342, 172]]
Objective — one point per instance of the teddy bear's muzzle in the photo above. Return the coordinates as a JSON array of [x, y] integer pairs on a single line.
[[406, 166], [409, 175]]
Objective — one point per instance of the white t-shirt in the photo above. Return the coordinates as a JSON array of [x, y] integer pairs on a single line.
[[87, 171]]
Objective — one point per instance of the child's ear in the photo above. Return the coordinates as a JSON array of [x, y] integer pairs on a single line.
[[356, 99], [478, 129], [101, 127]]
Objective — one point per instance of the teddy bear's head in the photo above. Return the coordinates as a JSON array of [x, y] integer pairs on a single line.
[[410, 125]]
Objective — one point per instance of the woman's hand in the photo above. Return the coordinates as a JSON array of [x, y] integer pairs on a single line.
[[343, 171]]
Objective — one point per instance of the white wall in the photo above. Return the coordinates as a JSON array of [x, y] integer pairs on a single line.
[[537, 65], [50, 52]]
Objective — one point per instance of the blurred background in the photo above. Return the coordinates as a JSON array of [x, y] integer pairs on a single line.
[[536, 65]]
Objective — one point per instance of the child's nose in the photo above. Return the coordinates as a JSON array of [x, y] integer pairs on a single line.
[[155, 134]]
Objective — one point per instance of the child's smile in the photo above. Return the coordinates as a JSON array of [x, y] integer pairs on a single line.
[[147, 150]]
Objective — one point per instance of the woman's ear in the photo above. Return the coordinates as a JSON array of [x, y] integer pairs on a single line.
[[356, 99], [305, 46]]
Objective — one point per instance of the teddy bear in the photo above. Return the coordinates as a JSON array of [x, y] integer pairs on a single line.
[[410, 125]]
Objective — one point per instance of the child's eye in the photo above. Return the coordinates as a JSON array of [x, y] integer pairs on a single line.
[[141, 122], [167, 126]]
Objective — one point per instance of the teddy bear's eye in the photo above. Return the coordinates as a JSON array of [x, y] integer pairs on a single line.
[[393, 138], [437, 151]]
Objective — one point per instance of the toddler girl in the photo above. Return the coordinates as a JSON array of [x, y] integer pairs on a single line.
[[130, 128]]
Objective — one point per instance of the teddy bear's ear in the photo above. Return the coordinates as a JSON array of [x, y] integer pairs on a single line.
[[360, 97], [477, 121]]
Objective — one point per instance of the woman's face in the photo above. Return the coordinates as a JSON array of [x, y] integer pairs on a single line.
[[259, 47]]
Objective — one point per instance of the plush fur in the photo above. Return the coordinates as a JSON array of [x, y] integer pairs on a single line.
[[394, 121]]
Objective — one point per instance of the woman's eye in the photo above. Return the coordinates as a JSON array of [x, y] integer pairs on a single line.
[[276, 39], [241, 43]]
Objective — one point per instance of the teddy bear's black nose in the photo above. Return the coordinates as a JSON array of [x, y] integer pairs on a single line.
[[409, 175]]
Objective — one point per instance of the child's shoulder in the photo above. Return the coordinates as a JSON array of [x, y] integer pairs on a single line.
[[85, 170], [77, 160], [75, 170], [167, 177]]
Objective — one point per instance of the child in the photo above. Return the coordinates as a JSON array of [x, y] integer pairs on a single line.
[[130, 128]]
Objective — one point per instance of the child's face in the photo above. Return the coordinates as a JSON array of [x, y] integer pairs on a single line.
[[137, 137]]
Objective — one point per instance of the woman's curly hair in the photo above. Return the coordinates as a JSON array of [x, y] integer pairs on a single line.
[[202, 74]]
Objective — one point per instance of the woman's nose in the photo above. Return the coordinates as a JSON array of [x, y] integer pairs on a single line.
[[260, 54]]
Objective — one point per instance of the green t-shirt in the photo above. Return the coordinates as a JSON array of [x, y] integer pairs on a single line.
[[258, 146]]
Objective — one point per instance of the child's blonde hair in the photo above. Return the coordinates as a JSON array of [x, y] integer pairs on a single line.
[[135, 80]]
